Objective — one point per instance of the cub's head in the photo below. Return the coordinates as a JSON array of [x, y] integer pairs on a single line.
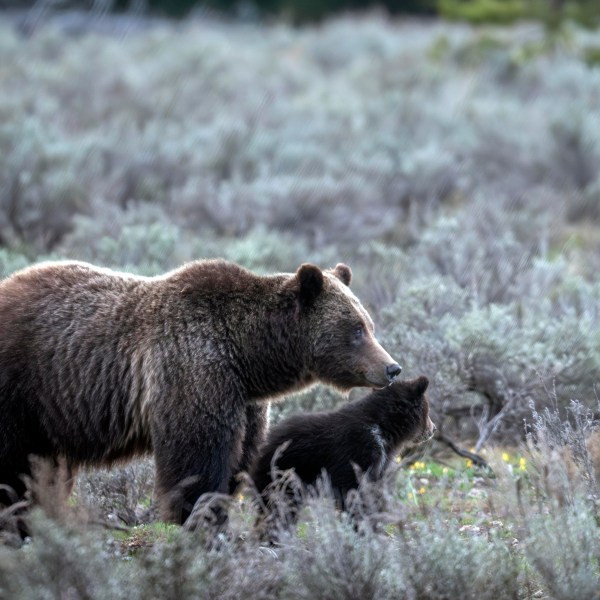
[[410, 409], [338, 332]]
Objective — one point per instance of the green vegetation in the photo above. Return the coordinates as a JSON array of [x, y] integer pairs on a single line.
[[484, 11], [438, 532], [551, 12]]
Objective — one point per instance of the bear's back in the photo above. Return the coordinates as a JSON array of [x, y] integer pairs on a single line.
[[70, 358], [50, 303]]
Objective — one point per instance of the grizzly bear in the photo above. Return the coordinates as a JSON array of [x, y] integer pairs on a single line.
[[362, 436], [97, 366]]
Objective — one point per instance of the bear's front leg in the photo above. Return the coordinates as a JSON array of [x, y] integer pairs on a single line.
[[255, 433], [195, 457]]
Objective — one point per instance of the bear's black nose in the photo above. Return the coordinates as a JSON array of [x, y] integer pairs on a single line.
[[392, 371]]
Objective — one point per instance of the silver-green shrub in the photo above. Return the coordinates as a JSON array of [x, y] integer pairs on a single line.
[[564, 548]]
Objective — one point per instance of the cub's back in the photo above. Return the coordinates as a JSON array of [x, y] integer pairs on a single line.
[[314, 441]]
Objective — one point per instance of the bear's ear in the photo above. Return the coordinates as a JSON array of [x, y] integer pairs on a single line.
[[343, 273], [310, 282], [420, 384]]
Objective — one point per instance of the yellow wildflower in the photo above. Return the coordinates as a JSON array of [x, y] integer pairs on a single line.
[[422, 490], [469, 463], [505, 456], [522, 463]]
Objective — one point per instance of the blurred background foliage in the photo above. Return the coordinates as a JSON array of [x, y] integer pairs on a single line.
[[454, 167], [551, 12]]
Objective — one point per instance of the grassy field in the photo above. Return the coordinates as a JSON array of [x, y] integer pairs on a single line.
[[528, 528], [455, 169]]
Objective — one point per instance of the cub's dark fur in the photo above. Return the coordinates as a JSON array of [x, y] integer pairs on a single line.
[[366, 433], [98, 366]]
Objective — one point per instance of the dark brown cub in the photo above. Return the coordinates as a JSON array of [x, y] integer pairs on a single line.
[[366, 434]]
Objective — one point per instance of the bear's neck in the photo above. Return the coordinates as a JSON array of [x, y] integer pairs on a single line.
[[254, 328], [268, 348], [396, 420]]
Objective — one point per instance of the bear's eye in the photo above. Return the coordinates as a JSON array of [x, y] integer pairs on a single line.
[[359, 332]]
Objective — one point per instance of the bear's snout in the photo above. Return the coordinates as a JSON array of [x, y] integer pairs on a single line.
[[392, 371], [431, 429], [428, 432]]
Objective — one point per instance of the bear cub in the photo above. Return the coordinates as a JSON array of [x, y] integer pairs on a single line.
[[366, 434]]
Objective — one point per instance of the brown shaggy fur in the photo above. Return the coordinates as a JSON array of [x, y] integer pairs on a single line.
[[98, 366], [365, 434]]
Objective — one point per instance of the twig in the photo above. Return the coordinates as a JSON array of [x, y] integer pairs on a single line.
[[477, 460], [9, 511], [109, 526]]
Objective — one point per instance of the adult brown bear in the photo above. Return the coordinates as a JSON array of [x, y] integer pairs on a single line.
[[98, 366]]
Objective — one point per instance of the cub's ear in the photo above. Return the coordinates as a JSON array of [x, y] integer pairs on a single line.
[[420, 384], [310, 282], [343, 273]]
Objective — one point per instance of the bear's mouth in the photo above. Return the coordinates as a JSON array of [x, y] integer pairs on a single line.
[[378, 380], [425, 435], [376, 383]]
